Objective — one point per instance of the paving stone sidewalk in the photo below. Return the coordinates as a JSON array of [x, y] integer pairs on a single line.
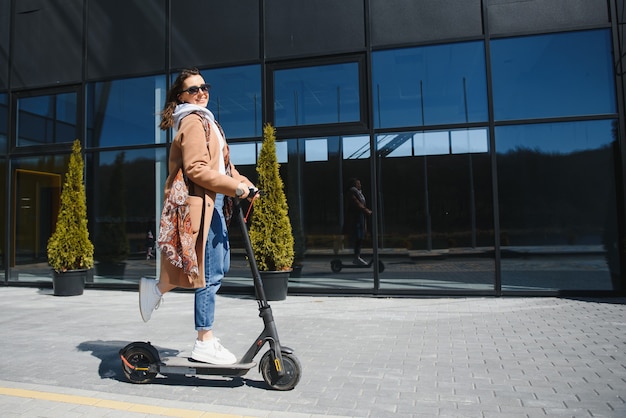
[[361, 357]]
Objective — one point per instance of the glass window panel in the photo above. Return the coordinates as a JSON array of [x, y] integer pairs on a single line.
[[356, 147], [243, 153], [49, 119], [235, 99], [125, 194], [460, 141], [439, 236], [316, 150], [317, 95], [395, 145], [3, 232], [4, 122], [557, 206], [317, 212], [429, 85], [432, 143], [469, 140], [125, 112], [36, 183], [316, 221], [564, 74], [282, 151]]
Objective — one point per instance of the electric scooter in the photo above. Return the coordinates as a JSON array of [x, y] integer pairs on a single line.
[[279, 366], [336, 265]]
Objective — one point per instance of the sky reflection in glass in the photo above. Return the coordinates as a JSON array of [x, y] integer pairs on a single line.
[[429, 85], [317, 95], [566, 74]]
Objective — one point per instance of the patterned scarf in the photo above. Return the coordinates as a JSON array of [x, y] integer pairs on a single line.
[[176, 233]]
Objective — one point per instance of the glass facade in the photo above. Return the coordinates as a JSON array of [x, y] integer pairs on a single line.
[[125, 192], [125, 112], [34, 206], [47, 119], [543, 76], [317, 95], [431, 85], [4, 131], [4, 123], [491, 165], [235, 99], [558, 225]]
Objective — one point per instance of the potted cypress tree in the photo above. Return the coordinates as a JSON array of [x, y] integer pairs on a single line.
[[70, 252], [270, 232]]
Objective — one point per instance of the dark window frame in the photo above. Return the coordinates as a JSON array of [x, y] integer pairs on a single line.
[[345, 128], [15, 149]]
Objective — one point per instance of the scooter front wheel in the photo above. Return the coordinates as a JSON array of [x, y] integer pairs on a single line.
[[290, 365]]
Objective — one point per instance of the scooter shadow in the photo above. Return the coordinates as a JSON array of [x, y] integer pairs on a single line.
[[111, 368]]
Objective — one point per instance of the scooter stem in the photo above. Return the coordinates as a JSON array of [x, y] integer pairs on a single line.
[[254, 268]]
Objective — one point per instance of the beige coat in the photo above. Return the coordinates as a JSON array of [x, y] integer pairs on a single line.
[[200, 163]]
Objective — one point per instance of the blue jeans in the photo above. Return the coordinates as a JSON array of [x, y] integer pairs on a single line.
[[216, 265]]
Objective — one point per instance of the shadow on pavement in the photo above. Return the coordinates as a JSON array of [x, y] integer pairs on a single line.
[[111, 368]]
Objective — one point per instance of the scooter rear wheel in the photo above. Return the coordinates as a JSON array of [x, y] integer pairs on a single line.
[[138, 368], [291, 366], [336, 266]]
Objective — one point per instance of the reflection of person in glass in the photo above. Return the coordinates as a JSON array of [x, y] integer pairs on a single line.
[[200, 149], [355, 222], [149, 245]]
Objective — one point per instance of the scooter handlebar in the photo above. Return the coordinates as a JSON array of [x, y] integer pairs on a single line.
[[252, 194]]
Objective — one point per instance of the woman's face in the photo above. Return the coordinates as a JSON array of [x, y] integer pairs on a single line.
[[199, 95]]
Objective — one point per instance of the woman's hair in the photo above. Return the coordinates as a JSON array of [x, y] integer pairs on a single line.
[[167, 121]]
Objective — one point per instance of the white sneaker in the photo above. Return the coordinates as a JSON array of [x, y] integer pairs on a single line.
[[149, 298], [213, 352]]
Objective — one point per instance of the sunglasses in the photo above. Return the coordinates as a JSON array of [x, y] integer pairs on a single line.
[[193, 90]]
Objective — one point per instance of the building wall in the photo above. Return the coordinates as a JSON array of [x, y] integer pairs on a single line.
[[78, 68]]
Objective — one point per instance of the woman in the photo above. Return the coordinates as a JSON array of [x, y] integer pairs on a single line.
[[356, 219], [201, 150]]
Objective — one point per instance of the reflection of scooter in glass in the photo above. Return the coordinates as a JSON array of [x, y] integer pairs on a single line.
[[336, 265], [279, 367]]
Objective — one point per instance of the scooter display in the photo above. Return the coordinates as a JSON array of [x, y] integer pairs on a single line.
[[336, 265], [279, 366]]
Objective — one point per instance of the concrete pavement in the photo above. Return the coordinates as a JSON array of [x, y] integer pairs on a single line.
[[361, 357]]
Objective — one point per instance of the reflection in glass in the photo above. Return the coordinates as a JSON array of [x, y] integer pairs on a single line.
[[4, 122], [125, 189], [440, 234], [316, 150], [355, 147], [406, 144], [317, 95], [243, 153], [314, 177], [557, 205], [429, 85], [563, 74], [3, 232], [34, 205], [235, 99], [47, 119], [125, 112]]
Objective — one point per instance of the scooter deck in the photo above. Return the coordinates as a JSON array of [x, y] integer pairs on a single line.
[[356, 266], [183, 365]]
